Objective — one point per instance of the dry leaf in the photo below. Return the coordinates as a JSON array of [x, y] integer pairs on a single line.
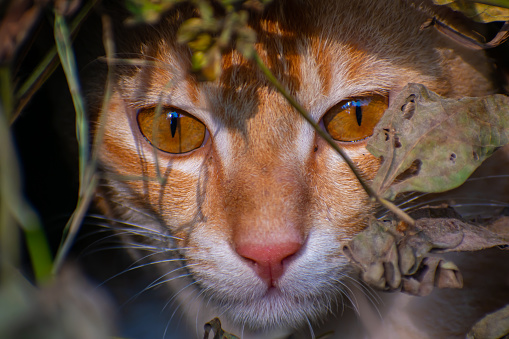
[[482, 11], [392, 260], [215, 326], [493, 326], [433, 144]]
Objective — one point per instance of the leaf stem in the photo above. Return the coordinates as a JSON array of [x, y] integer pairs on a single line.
[[86, 173]]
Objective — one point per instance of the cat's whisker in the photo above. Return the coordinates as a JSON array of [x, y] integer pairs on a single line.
[[310, 328], [118, 247], [137, 210], [189, 305], [349, 295], [138, 267], [491, 204], [107, 222], [197, 327], [242, 329], [152, 254], [152, 235], [374, 299], [172, 300], [157, 282], [340, 302], [450, 201], [114, 238], [489, 177], [477, 202]]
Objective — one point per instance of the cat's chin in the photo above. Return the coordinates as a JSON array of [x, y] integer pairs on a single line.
[[276, 309]]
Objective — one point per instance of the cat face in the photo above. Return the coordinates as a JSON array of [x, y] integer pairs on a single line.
[[229, 180]]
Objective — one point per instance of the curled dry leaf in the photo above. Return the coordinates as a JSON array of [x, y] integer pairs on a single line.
[[215, 326], [433, 144], [391, 260]]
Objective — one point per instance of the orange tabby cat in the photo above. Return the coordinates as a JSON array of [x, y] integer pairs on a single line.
[[255, 203]]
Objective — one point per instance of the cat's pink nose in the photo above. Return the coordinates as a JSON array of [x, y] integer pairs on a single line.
[[268, 260]]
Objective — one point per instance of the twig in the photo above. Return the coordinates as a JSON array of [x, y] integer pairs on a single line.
[[371, 193]]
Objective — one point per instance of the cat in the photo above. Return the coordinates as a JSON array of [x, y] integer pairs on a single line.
[[240, 205]]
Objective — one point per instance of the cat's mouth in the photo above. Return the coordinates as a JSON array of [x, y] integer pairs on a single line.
[[305, 285], [273, 292], [278, 309]]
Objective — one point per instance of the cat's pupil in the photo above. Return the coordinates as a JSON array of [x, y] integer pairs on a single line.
[[358, 105], [174, 118], [358, 112]]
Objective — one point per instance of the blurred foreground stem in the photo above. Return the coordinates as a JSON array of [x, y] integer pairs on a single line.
[[86, 174], [14, 211]]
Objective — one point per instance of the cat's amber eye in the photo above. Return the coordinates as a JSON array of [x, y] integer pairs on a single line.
[[172, 130], [354, 120]]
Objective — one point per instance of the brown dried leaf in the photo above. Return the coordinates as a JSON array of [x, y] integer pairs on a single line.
[[374, 252], [215, 326], [433, 272], [493, 326], [433, 144], [393, 260]]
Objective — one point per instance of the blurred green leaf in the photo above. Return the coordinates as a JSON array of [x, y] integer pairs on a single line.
[[148, 11], [15, 211], [189, 30]]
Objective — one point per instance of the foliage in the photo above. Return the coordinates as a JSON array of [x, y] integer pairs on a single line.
[[433, 144], [482, 11], [394, 257]]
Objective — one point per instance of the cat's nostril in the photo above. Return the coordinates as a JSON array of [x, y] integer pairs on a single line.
[[268, 260]]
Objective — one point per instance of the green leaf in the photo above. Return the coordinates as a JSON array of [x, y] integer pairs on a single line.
[[189, 30], [480, 10], [148, 11], [433, 144]]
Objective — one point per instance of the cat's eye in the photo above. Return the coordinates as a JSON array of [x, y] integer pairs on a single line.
[[354, 119], [172, 130]]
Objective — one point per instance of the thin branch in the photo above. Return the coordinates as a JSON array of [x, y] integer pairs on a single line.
[[371, 193]]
